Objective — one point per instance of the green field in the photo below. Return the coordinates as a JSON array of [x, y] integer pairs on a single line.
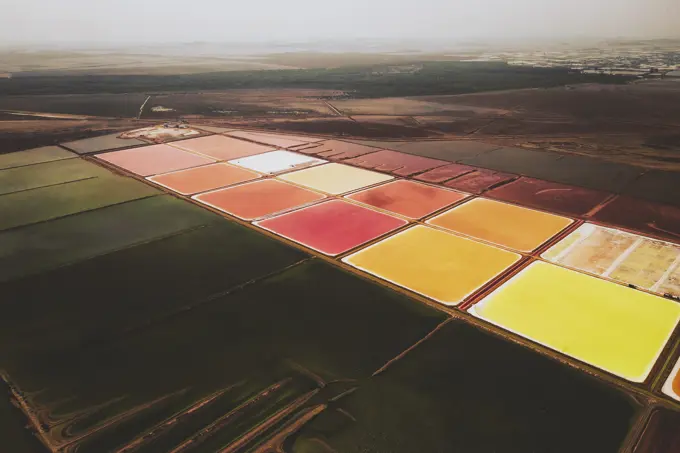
[[373, 81]]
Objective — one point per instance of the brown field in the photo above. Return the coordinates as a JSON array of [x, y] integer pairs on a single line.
[[26, 134], [218, 104], [386, 119], [651, 102], [7, 116], [410, 106], [118, 63], [103, 105], [635, 124], [239, 103], [334, 60], [175, 61], [338, 127]]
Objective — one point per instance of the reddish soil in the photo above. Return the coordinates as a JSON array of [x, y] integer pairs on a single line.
[[441, 174], [345, 127], [338, 150], [550, 196], [397, 163], [655, 219], [480, 181]]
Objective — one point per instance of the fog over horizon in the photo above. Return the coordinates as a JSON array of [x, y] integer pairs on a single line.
[[80, 22]]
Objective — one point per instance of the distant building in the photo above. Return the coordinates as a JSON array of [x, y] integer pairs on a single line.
[[673, 74], [5, 75]]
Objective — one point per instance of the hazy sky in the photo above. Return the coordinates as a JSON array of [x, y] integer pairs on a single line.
[[157, 21]]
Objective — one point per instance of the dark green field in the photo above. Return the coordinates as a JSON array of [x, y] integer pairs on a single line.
[[360, 81], [464, 390]]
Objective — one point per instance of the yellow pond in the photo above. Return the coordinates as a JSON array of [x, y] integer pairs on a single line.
[[436, 264], [335, 178], [504, 224], [672, 385], [609, 326]]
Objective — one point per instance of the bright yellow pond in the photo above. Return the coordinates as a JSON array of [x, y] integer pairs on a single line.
[[436, 264], [612, 327], [335, 178], [501, 223]]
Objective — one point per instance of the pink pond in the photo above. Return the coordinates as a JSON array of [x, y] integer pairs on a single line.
[[332, 227], [153, 160], [221, 147], [401, 164], [408, 198]]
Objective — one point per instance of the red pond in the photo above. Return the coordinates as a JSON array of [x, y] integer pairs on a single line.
[[332, 227]]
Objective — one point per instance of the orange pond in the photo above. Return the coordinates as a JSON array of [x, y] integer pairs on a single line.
[[511, 226], [332, 227], [202, 179], [153, 160], [439, 265], [672, 385], [258, 199], [221, 147], [408, 198]]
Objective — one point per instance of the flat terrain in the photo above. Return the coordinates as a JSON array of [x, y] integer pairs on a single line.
[[366, 81], [625, 122], [203, 293], [119, 62], [165, 322], [634, 123], [106, 105], [239, 103], [16, 135]]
